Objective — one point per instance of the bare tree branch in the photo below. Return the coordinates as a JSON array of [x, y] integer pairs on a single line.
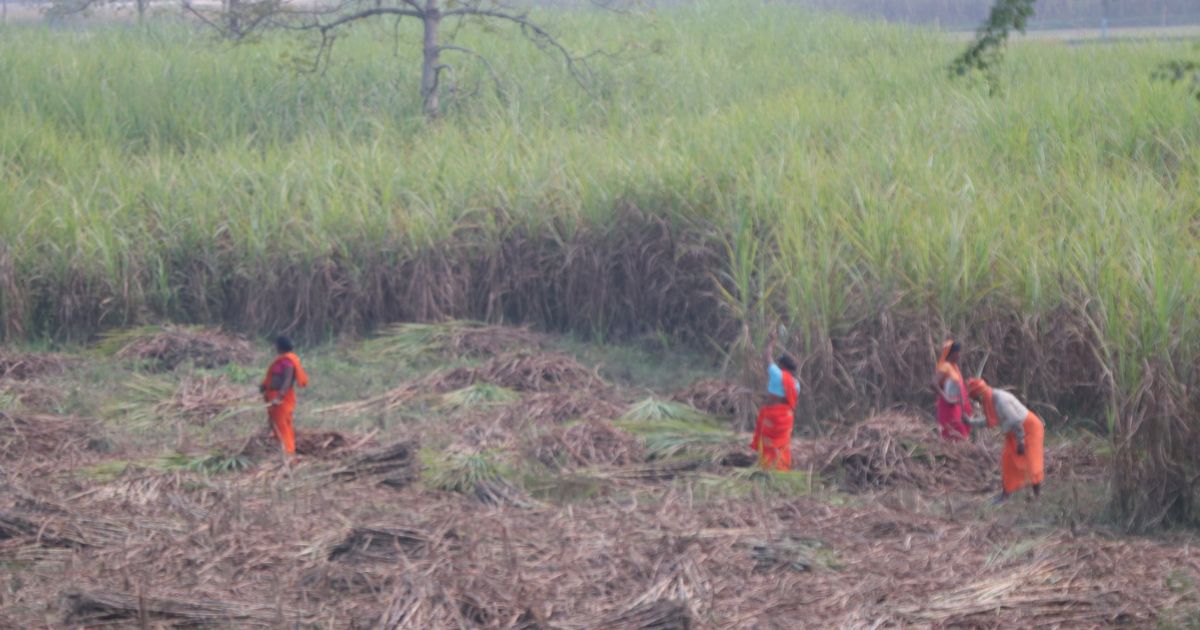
[[534, 32], [362, 15], [188, 8], [325, 21], [64, 8], [482, 59]]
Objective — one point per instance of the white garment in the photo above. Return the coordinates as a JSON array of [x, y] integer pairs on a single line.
[[1010, 413], [951, 392]]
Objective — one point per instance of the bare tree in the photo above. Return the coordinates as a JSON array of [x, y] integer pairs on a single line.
[[64, 8], [240, 19]]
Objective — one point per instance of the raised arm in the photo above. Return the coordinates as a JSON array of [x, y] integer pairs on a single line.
[[771, 347]]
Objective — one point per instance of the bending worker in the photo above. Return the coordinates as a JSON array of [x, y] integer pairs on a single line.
[[279, 391], [776, 418], [1021, 462]]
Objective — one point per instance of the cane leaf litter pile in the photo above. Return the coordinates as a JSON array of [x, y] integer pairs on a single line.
[[489, 477]]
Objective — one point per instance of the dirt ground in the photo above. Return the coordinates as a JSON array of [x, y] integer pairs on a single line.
[[464, 476]]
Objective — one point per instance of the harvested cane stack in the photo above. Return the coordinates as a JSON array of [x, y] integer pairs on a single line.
[[164, 348], [896, 449], [112, 607], [394, 466], [717, 398]]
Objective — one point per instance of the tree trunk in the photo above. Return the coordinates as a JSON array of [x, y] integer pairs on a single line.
[[431, 65], [231, 14], [141, 10]]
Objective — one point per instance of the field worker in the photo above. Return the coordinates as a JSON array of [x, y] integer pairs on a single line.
[[952, 405], [1021, 463], [773, 430], [279, 390]]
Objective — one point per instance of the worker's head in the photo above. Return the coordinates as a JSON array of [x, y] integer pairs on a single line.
[[788, 364], [283, 344], [950, 350], [977, 388]]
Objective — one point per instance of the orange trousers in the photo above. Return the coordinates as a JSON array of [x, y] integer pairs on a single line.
[[1018, 471], [773, 437], [281, 422]]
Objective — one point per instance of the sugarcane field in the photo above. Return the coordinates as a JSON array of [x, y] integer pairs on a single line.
[[600, 314]]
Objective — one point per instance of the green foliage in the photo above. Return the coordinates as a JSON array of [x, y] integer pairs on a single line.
[[239, 374], [112, 342], [479, 395], [747, 482], [984, 53], [142, 398], [1181, 71], [671, 430], [653, 412], [412, 341], [459, 472], [207, 464]]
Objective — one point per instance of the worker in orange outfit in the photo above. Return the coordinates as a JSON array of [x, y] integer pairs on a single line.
[[773, 429], [279, 390], [1022, 461]]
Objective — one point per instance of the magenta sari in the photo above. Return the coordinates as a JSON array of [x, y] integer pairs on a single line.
[[950, 414]]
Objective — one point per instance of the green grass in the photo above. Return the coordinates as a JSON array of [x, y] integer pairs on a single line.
[[459, 472], [652, 413], [753, 482], [877, 171], [207, 464], [410, 342], [478, 395], [139, 405], [670, 430]]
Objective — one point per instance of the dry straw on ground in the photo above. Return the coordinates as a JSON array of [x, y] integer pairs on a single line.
[[360, 532], [719, 398], [453, 338], [27, 365], [585, 444], [538, 372], [31, 442], [556, 381], [165, 347], [895, 449], [207, 398], [267, 551]]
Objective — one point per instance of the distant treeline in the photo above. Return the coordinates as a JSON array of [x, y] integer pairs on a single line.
[[1050, 13]]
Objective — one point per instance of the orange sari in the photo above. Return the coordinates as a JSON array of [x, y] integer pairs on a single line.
[[1016, 471], [281, 414], [773, 429]]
